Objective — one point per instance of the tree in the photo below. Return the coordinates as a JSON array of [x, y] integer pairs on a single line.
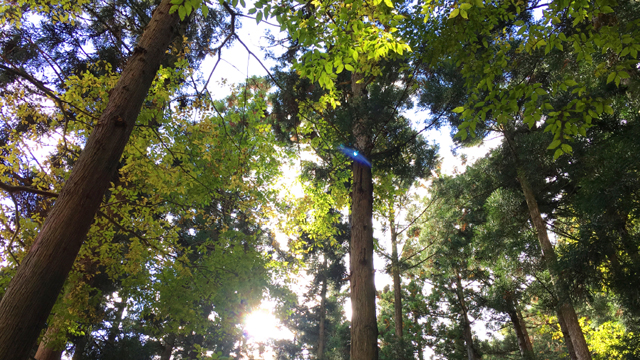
[[33, 290]]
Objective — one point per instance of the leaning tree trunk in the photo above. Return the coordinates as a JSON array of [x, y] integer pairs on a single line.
[[167, 348], [364, 329], [565, 335], [39, 279], [472, 353], [519, 326], [45, 350], [565, 307], [397, 287], [322, 339]]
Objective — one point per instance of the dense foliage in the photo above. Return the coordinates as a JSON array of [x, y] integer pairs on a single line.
[[530, 252]]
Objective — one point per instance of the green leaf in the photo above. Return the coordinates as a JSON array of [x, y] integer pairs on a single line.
[[554, 144], [258, 17], [177, 2], [465, 6], [606, 9], [611, 77], [173, 8], [348, 67], [388, 3], [328, 67], [567, 148], [182, 11], [205, 10], [541, 91], [458, 110], [454, 13], [557, 154], [570, 82]]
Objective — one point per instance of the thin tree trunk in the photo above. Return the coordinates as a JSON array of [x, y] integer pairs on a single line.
[[472, 354], [565, 308], [115, 326], [397, 286], [167, 349], [39, 279], [524, 342], [364, 329], [323, 312], [419, 340], [79, 347]]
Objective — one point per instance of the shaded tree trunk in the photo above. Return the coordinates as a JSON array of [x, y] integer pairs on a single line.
[[364, 329], [519, 326], [34, 289], [565, 307], [472, 353], [115, 326], [167, 349], [323, 312], [565, 335], [397, 287], [79, 347], [46, 352]]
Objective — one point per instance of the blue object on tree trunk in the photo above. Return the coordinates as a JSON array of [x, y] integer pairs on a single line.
[[354, 155]]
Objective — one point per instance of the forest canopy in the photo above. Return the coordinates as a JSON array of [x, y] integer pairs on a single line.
[[146, 216]]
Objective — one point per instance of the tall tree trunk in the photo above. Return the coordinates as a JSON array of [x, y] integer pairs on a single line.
[[115, 326], [46, 352], [167, 349], [419, 340], [323, 312], [524, 342], [397, 286], [472, 353], [34, 289], [565, 307], [565, 335], [79, 347], [364, 329]]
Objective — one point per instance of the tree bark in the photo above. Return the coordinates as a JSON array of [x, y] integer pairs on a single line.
[[46, 352], [565, 307], [364, 328], [323, 312], [524, 342], [397, 286], [79, 347], [167, 349], [565, 334], [35, 287], [472, 353]]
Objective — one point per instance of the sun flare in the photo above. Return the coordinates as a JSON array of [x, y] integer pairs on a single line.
[[261, 325]]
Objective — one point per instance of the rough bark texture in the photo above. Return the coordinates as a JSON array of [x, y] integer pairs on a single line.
[[549, 258], [397, 287], [323, 312], [39, 279], [524, 342], [167, 349], [364, 329], [79, 347], [565, 334], [472, 354], [47, 353]]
